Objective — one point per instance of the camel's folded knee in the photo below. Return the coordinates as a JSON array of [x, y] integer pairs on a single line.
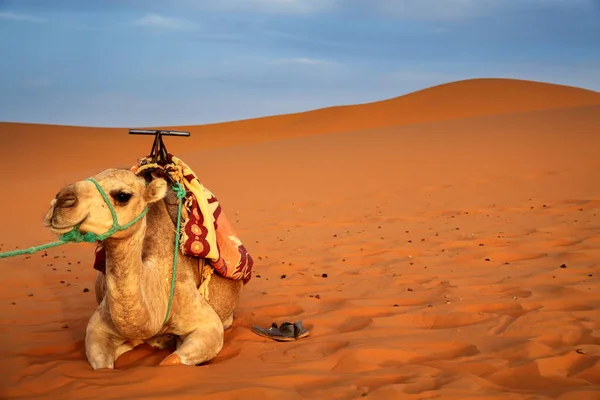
[[199, 346]]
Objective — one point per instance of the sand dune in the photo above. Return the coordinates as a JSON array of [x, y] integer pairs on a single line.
[[458, 227]]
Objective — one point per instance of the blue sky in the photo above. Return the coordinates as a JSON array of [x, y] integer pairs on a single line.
[[132, 63]]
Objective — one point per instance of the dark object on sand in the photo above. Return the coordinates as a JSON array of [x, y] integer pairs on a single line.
[[286, 332]]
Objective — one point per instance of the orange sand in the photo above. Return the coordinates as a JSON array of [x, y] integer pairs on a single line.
[[441, 219]]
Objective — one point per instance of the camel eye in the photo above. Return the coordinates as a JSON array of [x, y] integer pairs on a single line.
[[122, 197]]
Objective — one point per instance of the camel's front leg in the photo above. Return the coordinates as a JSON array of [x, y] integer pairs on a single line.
[[201, 345], [100, 287], [101, 342]]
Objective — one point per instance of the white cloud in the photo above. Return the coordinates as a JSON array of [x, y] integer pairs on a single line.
[[6, 15], [152, 20]]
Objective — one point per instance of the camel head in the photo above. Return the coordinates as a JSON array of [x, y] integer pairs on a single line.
[[82, 204]]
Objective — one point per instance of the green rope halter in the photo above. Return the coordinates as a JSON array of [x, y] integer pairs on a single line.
[[75, 236]]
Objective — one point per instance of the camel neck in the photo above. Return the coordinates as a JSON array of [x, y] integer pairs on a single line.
[[133, 310]]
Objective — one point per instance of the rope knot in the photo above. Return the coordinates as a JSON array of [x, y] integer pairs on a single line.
[[179, 190], [75, 236]]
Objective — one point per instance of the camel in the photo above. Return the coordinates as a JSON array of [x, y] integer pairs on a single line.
[[133, 294]]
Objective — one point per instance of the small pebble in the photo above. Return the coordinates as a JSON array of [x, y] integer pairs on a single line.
[[580, 351], [85, 290], [324, 275], [563, 266], [317, 296], [283, 276], [396, 305]]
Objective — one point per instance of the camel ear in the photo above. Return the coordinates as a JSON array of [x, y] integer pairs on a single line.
[[156, 190]]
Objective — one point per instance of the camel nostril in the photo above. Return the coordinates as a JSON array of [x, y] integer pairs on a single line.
[[66, 202], [65, 199]]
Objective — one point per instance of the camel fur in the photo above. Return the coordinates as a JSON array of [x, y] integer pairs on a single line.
[[133, 294]]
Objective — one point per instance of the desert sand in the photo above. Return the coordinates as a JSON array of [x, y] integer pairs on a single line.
[[458, 228]]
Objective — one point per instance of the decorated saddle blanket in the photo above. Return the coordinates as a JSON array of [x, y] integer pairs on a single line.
[[205, 230]]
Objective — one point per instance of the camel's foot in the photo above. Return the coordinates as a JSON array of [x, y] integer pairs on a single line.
[[171, 359], [199, 346]]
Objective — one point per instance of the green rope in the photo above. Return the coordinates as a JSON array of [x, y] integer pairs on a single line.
[[75, 236], [31, 250], [180, 192]]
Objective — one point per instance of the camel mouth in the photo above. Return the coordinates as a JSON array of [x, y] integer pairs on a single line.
[[61, 230]]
